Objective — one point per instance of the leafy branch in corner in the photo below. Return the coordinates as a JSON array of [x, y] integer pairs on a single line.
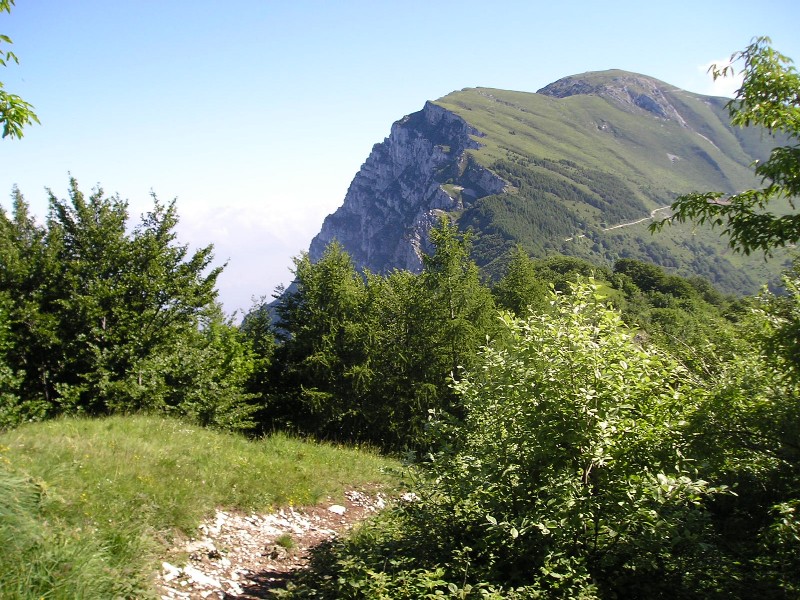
[[770, 98], [15, 113]]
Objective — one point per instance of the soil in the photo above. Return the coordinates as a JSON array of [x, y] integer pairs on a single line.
[[248, 556]]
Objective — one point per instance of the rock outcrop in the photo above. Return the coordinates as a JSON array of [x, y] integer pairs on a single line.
[[628, 90], [422, 169]]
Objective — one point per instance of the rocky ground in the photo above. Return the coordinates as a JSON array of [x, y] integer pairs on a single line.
[[247, 556]]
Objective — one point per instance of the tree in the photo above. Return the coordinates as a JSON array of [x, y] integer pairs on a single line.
[[319, 367], [461, 306], [567, 478], [15, 113], [205, 375], [108, 318], [410, 379], [123, 298], [769, 98], [29, 272], [520, 287], [747, 429], [9, 380], [369, 357], [574, 444]]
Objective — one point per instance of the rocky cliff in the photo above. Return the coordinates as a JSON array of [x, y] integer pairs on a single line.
[[420, 171]]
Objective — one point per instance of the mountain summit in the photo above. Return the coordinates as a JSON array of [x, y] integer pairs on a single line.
[[629, 90], [579, 168]]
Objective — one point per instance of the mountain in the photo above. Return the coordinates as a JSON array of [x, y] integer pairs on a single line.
[[580, 167]]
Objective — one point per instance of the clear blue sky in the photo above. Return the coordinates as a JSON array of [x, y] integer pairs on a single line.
[[256, 114]]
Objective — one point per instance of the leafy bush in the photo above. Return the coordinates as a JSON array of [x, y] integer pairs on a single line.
[[567, 477]]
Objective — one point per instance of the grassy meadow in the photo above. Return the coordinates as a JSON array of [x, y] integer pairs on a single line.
[[88, 506]]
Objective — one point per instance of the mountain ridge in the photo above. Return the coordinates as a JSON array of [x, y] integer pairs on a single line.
[[554, 171]]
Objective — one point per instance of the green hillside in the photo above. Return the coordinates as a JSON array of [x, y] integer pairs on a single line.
[[88, 507], [591, 156]]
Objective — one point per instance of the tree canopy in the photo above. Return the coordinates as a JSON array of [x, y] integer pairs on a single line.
[[98, 316]]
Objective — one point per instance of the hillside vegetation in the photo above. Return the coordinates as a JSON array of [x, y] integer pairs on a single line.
[[603, 149], [88, 507]]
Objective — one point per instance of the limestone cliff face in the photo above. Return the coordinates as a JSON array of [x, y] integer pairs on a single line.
[[408, 180]]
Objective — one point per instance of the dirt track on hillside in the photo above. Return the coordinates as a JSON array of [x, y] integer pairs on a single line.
[[246, 556]]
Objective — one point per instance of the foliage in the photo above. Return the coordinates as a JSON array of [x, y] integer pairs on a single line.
[[460, 305], [746, 433], [520, 287], [15, 113], [747, 429], [112, 318], [782, 337], [320, 362], [205, 376], [9, 379], [368, 357], [408, 372], [567, 478], [769, 98]]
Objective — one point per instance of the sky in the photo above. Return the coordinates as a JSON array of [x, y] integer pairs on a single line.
[[255, 115]]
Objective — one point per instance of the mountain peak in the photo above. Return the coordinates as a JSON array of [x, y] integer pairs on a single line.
[[579, 169], [631, 91]]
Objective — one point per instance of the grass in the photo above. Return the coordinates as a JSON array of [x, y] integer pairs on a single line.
[[96, 502]]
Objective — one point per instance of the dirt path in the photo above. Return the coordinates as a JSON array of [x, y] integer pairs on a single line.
[[651, 217], [621, 225], [246, 556]]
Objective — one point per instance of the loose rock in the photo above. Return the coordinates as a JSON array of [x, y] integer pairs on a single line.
[[246, 556]]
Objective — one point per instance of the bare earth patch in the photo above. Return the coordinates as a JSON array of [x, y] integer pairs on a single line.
[[247, 556]]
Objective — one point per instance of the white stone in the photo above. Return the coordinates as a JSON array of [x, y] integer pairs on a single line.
[[200, 578], [170, 571], [236, 589]]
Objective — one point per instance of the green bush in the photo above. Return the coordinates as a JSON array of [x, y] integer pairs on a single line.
[[567, 478]]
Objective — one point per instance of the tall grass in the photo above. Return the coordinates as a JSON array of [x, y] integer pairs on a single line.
[[44, 558], [96, 502]]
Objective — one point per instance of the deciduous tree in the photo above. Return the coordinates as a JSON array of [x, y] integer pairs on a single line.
[[105, 317]]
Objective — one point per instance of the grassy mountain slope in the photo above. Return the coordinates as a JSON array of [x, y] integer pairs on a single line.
[[597, 151]]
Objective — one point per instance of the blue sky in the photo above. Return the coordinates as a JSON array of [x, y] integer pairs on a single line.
[[256, 114]]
